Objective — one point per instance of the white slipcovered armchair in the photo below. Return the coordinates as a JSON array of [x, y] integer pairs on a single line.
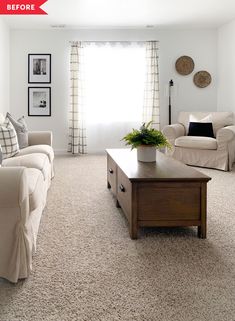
[[218, 152]]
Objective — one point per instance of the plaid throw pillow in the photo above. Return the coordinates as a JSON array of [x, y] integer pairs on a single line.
[[21, 130], [8, 139]]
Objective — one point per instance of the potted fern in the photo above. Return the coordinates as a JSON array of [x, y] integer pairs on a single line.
[[146, 140]]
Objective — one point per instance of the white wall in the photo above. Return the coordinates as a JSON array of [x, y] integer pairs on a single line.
[[226, 67], [201, 45], [4, 67]]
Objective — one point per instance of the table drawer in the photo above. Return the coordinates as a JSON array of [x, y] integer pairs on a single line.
[[169, 201], [124, 191], [112, 174]]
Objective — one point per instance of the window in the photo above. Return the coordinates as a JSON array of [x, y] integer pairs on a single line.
[[114, 82], [120, 90]]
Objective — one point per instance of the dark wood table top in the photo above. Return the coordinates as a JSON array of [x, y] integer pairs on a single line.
[[164, 169]]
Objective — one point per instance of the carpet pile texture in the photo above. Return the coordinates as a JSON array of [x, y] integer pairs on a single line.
[[88, 269]]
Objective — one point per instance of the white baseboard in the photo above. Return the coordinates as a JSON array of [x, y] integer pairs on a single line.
[[64, 152], [61, 152]]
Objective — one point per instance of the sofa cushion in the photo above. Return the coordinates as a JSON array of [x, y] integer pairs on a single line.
[[21, 130], [36, 188], [38, 161], [8, 139], [196, 142], [43, 149]]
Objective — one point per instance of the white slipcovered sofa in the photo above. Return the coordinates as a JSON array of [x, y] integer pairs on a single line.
[[217, 152], [24, 181]]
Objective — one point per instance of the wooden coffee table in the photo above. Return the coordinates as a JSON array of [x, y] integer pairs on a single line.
[[163, 193]]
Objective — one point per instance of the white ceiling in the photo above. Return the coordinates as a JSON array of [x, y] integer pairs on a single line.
[[129, 14]]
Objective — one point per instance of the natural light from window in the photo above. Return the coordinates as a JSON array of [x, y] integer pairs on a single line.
[[114, 83]]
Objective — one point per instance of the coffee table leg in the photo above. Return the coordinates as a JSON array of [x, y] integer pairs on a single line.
[[133, 233], [202, 228], [117, 204], [133, 228], [202, 232]]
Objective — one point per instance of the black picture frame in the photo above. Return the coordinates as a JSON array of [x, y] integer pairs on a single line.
[[39, 101], [39, 68]]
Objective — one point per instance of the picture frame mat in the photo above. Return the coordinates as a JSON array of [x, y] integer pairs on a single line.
[[39, 101], [39, 78]]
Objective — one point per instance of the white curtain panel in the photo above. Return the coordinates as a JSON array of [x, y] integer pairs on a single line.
[[77, 131], [151, 107]]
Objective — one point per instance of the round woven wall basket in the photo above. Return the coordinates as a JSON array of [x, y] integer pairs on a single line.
[[202, 79], [184, 65]]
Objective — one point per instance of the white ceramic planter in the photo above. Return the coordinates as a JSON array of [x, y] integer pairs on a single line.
[[146, 154]]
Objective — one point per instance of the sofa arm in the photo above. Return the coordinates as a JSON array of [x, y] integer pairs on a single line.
[[173, 131], [40, 138], [13, 187], [15, 228], [224, 136]]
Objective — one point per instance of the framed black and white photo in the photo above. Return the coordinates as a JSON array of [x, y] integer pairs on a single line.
[[39, 68], [39, 101]]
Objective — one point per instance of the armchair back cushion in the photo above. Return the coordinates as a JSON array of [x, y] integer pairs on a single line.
[[219, 119]]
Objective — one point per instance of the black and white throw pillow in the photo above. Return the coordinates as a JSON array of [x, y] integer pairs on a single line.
[[8, 139], [21, 130]]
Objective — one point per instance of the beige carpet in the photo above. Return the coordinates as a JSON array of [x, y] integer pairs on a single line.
[[87, 268]]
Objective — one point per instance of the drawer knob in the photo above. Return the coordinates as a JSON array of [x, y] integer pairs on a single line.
[[110, 171], [122, 188]]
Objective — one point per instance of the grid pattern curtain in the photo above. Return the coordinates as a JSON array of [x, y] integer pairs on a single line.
[[151, 107], [77, 131]]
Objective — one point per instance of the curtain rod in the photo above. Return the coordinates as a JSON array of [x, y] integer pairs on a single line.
[[113, 41]]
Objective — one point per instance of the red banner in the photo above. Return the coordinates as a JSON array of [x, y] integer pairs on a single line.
[[21, 7]]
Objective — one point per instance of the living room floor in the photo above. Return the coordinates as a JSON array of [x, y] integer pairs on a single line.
[[87, 267]]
